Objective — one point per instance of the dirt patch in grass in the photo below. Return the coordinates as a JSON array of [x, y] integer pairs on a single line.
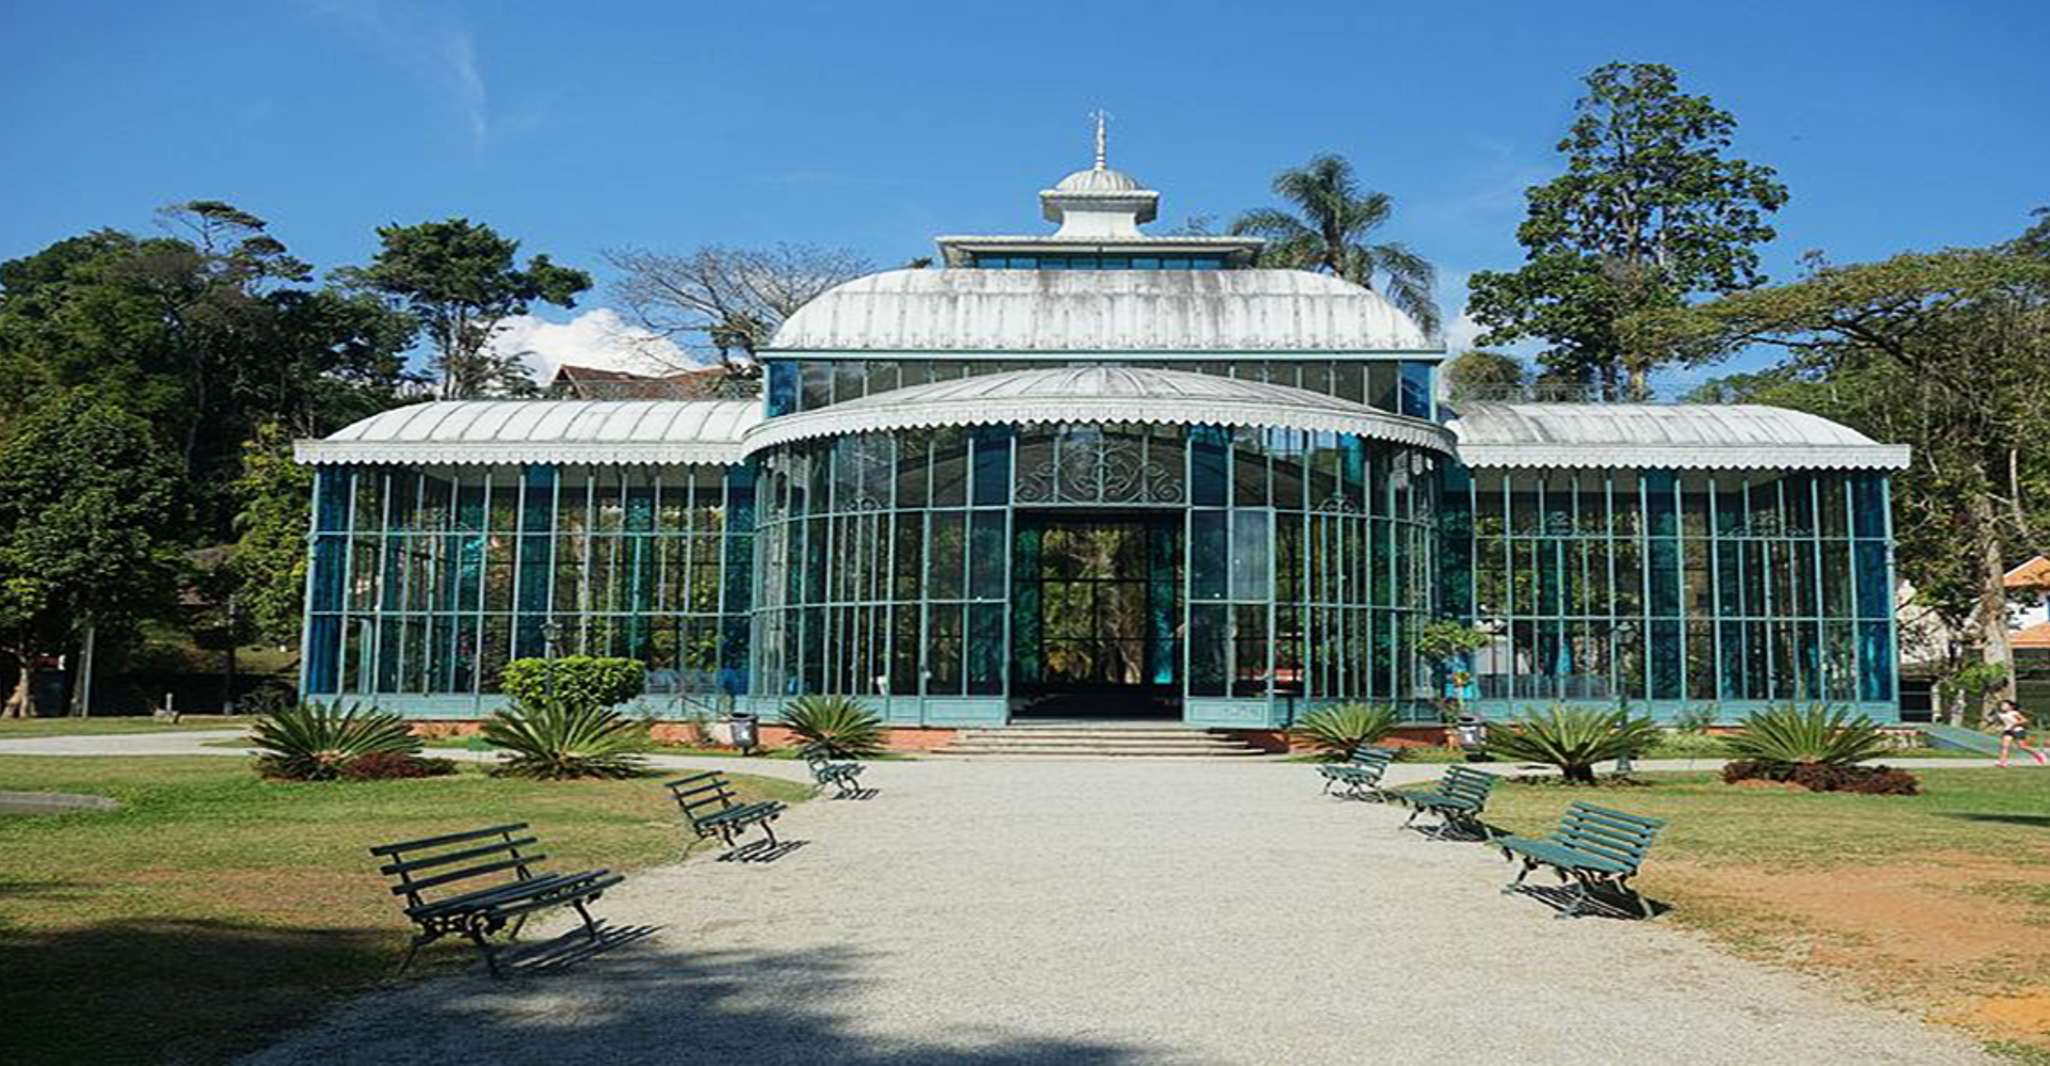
[[1958, 937]]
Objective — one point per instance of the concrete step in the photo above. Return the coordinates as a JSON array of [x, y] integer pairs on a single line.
[[1135, 740], [1119, 751]]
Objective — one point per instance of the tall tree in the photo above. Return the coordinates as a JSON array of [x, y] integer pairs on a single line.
[[1945, 352], [1328, 232], [203, 333], [726, 300], [268, 564], [1483, 375], [460, 282], [1649, 214], [87, 500]]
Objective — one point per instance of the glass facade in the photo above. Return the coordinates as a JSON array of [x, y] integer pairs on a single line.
[[1399, 386], [426, 581], [1673, 588], [1276, 566]]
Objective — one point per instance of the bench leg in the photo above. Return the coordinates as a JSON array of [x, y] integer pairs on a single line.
[[1580, 896], [412, 950], [769, 830], [590, 926], [476, 936], [1517, 885]]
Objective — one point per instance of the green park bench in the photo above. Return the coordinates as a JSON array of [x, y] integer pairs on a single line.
[[1457, 799], [1361, 774], [708, 802], [1593, 847], [494, 883], [844, 776]]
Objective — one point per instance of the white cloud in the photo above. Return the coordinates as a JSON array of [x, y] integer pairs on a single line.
[[1460, 333], [597, 338]]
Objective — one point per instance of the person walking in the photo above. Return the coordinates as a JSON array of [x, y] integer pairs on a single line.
[[2014, 731]]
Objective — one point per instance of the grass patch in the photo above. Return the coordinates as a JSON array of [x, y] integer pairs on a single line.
[[1979, 812], [25, 728], [217, 908], [1934, 903]]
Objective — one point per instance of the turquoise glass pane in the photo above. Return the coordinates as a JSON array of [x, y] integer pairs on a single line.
[[1868, 505], [323, 655], [332, 499], [1875, 596], [1209, 447], [782, 388], [1875, 660], [1209, 629], [1416, 389], [1209, 557]]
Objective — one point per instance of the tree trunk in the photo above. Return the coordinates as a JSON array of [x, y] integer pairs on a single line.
[[22, 703], [1994, 648]]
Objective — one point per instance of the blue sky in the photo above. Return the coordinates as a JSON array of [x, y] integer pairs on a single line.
[[877, 125]]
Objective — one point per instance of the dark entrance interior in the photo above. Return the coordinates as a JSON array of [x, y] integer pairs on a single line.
[[1096, 609]]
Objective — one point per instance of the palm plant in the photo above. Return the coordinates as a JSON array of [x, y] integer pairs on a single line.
[[1574, 739], [1330, 235], [556, 739], [1817, 734], [1336, 731], [313, 741], [841, 726]]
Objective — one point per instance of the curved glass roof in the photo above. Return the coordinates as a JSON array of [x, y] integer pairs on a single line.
[[1023, 311], [1097, 394], [1668, 436], [555, 431]]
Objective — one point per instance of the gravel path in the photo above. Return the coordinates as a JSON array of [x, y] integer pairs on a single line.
[[1010, 912]]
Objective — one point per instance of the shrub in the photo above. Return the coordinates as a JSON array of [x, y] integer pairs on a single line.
[[1574, 739], [557, 740], [313, 741], [391, 765], [1791, 736], [1696, 719], [1684, 745], [840, 725], [1820, 777], [580, 680], [1336, 731]]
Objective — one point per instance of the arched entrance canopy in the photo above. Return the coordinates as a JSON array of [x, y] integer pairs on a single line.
[[1097, 394]]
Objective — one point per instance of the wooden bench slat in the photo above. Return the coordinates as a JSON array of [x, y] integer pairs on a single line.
[[466, 873], [449, 838], [447, 857], [492, 893]]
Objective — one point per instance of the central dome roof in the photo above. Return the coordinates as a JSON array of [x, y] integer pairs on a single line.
[[1098, 311], [1098, 179], [1108, 394]]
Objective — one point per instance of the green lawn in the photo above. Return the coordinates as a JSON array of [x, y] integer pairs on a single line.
[[1982, 811], [23, 728], [1937, 903], [217, 908]]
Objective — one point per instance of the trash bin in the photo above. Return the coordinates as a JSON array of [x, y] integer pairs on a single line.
[[742, 724]]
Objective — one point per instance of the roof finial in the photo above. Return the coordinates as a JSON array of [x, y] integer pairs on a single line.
[[1101, 116]]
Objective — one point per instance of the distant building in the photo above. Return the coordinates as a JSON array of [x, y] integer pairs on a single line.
[[594, 383], [1100, 472]]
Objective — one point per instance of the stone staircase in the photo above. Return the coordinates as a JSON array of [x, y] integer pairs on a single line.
[[1091, 740]]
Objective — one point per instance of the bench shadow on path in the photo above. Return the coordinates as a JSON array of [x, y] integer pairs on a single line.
[[761, 851], [671, 1003]]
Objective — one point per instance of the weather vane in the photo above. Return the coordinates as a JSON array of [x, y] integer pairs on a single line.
[[1101, 116]]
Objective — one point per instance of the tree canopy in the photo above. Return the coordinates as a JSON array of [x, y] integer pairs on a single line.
[[1946, 352], [1328, 232], [460, 281], [88, 507], [1649, 213], [730, 300]]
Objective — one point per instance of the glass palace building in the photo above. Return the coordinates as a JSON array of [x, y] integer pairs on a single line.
[[1103, 473]]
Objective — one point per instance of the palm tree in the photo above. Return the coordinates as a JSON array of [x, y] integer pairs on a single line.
[[1330, 234]]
